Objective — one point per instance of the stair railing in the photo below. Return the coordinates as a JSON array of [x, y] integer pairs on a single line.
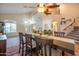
[[68, 27]]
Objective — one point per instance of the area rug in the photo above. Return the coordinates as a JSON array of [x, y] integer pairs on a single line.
[[13, 51]]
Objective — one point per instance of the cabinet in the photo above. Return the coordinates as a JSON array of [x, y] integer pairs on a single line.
[[2, 40], [2, 47]]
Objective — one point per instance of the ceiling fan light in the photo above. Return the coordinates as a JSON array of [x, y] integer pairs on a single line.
[[40, 9], [41, 5]]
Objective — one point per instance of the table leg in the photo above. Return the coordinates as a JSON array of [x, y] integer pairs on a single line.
[[62, 53], [50, 50], [45, 50]]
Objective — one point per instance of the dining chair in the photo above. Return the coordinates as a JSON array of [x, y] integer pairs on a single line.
[[39, 46], [21, 43], [44, 46], [28, 50], [59, 34], [33, 49]]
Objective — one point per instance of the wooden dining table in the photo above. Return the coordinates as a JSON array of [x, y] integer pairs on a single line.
[[64, 44]]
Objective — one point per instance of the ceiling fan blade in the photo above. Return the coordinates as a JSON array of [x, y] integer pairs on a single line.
[[52, 6]]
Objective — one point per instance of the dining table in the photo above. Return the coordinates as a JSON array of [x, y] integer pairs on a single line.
[[62, 43]]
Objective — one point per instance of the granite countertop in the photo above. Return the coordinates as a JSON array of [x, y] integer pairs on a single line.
[[3, 37]]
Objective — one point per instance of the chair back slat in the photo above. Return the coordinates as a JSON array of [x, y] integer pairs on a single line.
[[21, 37], [59, 34], [39, 45], [28, 38], [21, 43]]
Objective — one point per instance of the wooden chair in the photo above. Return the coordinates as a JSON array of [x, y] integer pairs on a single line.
[[42, 44], [21, 43], [60, 34], [30, 49], [39, 46], [29, 45]]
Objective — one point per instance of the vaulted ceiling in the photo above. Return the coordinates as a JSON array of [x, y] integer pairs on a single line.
[[17, 7], [25, 7]]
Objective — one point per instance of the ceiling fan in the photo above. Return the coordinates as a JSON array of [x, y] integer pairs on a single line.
[[46, 8], [49, 8]]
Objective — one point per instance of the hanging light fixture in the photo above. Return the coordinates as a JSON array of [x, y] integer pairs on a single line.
[[41, 7], [47, 8]]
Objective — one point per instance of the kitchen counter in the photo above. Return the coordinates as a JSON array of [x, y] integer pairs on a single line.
[[3, 37]]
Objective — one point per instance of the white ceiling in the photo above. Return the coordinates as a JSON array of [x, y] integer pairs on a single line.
[[17, 7]]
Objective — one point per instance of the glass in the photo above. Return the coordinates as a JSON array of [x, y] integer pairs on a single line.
[[13, 27], [9, 27]]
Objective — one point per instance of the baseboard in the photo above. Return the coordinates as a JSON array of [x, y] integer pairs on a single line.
[[12, 36]]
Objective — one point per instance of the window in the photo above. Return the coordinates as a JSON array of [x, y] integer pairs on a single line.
[[13, 27], [10, 27]]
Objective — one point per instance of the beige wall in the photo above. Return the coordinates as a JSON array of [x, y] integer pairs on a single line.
[[70, 10]]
